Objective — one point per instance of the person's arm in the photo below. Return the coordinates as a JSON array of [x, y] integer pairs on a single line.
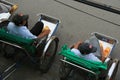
[[76, 45], [13, 8], [45, 32]]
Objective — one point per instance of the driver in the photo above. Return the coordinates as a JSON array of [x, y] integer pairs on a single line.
[[18, 26]]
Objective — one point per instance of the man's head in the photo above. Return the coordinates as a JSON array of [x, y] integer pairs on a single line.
[[19, 18], [86, 48]]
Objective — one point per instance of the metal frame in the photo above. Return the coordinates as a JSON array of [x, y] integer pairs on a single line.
[[49, 19], [112, 70], [78, 67], [48, 42]]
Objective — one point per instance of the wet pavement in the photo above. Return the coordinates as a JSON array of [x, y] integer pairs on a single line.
[[77, 22]]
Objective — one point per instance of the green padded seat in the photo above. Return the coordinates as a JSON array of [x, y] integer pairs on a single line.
[[23, 42], [91, 65]]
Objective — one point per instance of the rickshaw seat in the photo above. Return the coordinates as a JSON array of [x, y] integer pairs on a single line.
[[23, 42], [91, 65]]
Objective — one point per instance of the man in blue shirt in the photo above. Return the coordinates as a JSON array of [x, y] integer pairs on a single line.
[[85, 50], [18, 27]]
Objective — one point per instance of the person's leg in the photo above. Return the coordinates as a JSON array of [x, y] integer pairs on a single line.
[[37, 29]]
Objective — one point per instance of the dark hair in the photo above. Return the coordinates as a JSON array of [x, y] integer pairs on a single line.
[[86, 48], [19, 18]]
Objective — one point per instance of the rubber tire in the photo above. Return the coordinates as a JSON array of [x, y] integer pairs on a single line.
[[64, 71]]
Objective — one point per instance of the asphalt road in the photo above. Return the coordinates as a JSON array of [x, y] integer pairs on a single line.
[[77, 22]]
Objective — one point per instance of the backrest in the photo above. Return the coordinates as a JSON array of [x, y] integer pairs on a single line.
[[94, 41], [23, 42]]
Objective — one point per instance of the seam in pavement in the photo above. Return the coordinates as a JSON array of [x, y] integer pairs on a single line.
[[87, 13]]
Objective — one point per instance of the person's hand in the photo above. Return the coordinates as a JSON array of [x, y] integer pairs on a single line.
[[71, 46], [79, 42], [13, 8], [45, 32], [46, 28]]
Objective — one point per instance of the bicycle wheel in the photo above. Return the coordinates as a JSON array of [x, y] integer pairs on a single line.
[[64, 71], [47, 60]]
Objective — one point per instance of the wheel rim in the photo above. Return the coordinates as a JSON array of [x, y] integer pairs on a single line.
[[49, 56]]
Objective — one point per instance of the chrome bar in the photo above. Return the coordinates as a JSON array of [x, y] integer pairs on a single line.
[[79, 67]]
